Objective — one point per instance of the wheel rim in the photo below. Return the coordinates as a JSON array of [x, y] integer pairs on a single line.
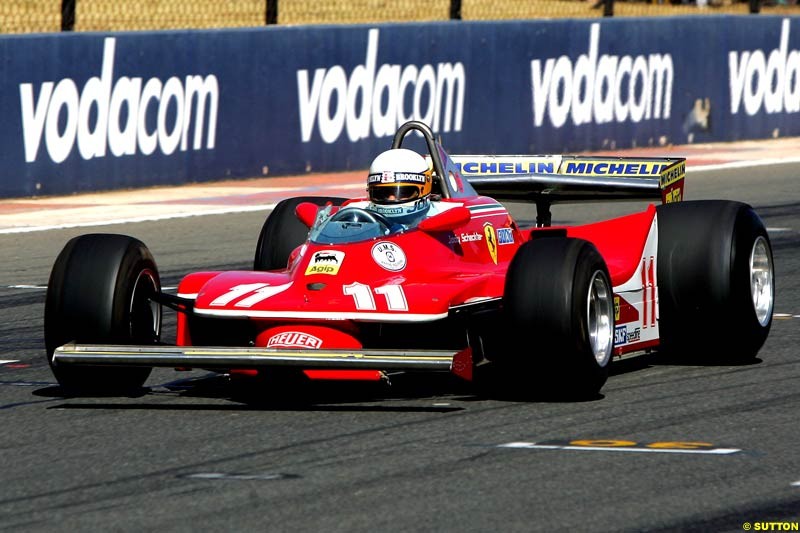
[[761, 280], [145, 313], [599, 309]]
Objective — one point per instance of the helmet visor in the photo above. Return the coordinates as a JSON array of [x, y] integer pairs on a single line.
[[392, 193]]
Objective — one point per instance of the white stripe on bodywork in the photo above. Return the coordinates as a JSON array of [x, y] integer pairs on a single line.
[[188, 296], [640, 295]]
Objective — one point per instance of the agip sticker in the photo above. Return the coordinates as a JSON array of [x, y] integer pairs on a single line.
[[389, 256], [325, 262]]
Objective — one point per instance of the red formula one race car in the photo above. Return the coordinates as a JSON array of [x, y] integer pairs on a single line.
[[432, 273]]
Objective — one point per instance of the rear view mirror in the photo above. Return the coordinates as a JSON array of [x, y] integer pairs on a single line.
[[307, 213]]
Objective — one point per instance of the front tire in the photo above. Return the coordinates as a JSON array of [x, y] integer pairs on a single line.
[[101, 291], [282, 232], [559, 314], [716, 280]]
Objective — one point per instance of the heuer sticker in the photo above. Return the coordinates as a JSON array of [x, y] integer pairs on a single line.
[[294, 339], [325, 262], [389, 256], [635, 335], [620, 335], [505, 236]]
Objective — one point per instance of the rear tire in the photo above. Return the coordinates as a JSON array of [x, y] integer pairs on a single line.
[[282, 232], [716, 280], [559, 321], [100, 292]]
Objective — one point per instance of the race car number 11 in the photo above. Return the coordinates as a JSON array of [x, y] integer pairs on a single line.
[[362, 295], [253, 293]]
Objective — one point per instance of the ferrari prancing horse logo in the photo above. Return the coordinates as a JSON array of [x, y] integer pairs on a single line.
[[491, 240]]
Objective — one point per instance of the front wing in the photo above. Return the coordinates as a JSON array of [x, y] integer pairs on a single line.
[[458, 362]]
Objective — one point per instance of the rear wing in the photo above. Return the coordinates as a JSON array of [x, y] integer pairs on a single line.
[[547, 179]]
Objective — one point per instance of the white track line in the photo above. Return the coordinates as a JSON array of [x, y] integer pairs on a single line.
[[151, 218], [742, 164], [534, 446]]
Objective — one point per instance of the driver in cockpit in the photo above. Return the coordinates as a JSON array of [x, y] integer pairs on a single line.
[[399, 186]]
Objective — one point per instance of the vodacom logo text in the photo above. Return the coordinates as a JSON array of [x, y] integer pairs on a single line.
[[374, 99], [126, 115]]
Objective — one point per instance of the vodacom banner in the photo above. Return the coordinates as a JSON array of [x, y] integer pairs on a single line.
[[101, 111]]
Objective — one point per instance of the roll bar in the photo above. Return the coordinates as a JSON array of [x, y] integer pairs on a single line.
[[427, 133]]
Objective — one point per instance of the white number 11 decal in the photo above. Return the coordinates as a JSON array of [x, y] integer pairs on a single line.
[[362, 295], [258, 292]]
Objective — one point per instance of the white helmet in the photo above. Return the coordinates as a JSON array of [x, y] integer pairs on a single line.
[[399, 185]]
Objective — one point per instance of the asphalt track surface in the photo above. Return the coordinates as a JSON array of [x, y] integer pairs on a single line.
[[424, 454]]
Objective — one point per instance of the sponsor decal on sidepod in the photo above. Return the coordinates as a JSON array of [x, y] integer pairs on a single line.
[[505, 236]]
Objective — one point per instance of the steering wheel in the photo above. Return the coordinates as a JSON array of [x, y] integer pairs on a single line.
[[361, 215]]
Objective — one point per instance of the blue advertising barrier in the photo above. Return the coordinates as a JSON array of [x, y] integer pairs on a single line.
[[95, 111]]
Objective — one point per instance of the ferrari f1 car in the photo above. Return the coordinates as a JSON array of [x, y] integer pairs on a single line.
[[337, 292]]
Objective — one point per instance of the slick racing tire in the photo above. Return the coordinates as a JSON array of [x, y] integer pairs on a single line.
[[559, 313], [282, 232], [716, 281], [101, 291]]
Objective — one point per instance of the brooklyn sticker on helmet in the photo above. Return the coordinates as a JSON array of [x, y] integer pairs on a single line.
[[389, 256]]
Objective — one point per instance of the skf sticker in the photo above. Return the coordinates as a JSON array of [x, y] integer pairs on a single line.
[[389, 256], [294, 339], [620, 335], [325, 262], [624, 336], [491, 240], [505, 236]]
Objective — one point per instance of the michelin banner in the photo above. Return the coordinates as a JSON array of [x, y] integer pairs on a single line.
[[94, 111]]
